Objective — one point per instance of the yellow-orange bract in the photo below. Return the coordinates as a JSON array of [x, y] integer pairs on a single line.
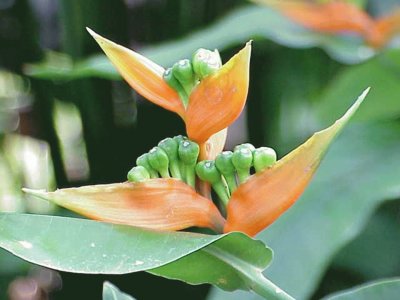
[[340, 16], [223, 93], [170, 204]]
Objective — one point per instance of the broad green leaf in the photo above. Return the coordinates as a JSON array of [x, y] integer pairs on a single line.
[[232, 261], [386, 289], [381, 73], [85, 246], [111, 292], [255, 22], [359, 172]]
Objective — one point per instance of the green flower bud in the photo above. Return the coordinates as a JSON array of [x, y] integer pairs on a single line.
[[188, 153], [180, 138], [246, 146], [207, 171], [174, 83], [263, 158], [170, 146], [206, 62], [137, 174], [224, 164], [182, 170], [143, 161], [183, 72], [159, 161], [242, 159], [170, 79]]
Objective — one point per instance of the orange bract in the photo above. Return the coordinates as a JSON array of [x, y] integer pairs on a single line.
[[339, 17], [213, 105], [162, 204], [265, 196], [145, 76], [219, 99]]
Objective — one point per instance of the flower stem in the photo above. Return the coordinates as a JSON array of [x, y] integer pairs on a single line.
[[265, 288]]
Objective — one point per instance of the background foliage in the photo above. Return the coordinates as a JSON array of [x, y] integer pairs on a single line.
[[66, 119]]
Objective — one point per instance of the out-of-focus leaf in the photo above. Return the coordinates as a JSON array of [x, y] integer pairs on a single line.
[[254, 22], [384, 289], [382, 74], [10, 264], [359, 172], [85, 246], [60, 66], [375, 252], [111, 292]]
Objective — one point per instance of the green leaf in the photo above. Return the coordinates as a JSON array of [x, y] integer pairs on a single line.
[[375, 252], [111, 292], [11, 264], [382, 289], [229, 263], [380, 73], [259, 22], [359, 172], [85, 246]]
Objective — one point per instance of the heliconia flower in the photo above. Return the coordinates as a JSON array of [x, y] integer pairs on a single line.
[[340, 17], [213, 104], [171, 204]]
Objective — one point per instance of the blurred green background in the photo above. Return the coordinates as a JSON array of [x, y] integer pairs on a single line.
[[67, 119]]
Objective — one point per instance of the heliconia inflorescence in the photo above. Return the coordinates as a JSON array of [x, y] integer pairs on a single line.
[[171, 186]]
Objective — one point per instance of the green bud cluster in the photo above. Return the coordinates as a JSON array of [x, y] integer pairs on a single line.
[[177, 157], [185, 74], [173, 157], [231, 168]]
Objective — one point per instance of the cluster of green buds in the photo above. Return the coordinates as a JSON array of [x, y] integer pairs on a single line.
[[185, 74], [173, 157], [177, 157], [231, 168]]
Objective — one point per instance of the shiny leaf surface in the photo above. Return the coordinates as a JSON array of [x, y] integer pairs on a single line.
[[85, 246]]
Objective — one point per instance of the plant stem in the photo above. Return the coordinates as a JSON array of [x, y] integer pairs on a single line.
[[265, 288]]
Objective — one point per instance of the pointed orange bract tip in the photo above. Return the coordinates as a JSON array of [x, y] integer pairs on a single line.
[[143, 75], [265, 196], [161, 204], [219, 99]]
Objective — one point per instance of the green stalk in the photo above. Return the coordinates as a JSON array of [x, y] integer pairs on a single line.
[[220, 189], [253, 277], [266, 289]]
